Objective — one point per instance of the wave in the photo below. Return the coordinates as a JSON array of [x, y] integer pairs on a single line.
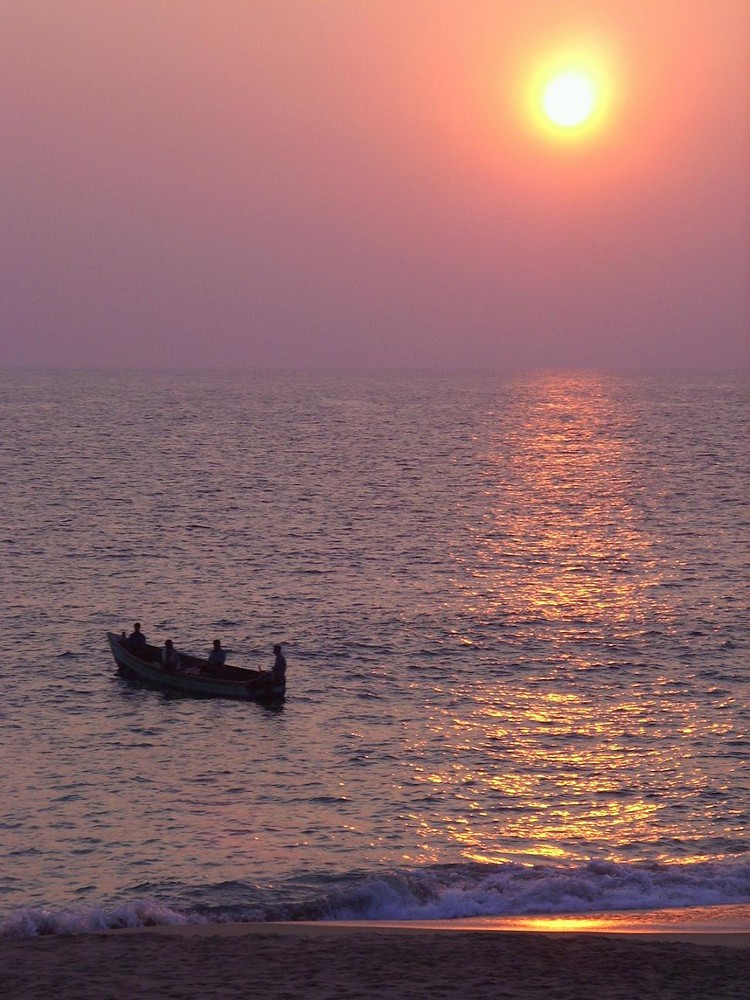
[[515, 890], [436, 893], [36, 921]]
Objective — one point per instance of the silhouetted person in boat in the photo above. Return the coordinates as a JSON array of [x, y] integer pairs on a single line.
[[137, 640], [169, 657], [278, 672], [217, 656]]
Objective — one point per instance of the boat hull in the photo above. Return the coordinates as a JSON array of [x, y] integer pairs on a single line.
[[196, 677]]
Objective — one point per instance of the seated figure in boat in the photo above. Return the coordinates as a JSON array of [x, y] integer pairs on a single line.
[[136, 641], [217, 656], [169, 656]]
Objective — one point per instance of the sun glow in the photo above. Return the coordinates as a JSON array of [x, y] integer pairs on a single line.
[[571, 94]]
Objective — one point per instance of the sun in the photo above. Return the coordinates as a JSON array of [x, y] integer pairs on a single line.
[[572, 92], [569, 99]]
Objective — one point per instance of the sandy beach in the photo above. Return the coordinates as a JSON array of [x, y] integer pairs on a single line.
[[361, 962]]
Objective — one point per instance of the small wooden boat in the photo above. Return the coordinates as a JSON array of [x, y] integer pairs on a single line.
[[194, 675]]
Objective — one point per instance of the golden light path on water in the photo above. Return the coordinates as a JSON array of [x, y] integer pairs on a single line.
[[564, 765]]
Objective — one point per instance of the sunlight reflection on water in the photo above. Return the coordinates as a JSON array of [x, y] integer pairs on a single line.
[[562, 551]]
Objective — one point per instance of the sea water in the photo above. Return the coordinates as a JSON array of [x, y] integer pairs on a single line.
[[515, 612]]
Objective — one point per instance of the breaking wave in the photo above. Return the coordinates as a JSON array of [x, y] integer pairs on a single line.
[[436, 893]]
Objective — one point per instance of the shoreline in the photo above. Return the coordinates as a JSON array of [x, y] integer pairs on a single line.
[[727, 926], [684, 957]]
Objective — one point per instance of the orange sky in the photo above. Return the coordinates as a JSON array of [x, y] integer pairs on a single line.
[[331, 183]]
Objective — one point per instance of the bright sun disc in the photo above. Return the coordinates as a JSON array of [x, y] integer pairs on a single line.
[[569, 99]]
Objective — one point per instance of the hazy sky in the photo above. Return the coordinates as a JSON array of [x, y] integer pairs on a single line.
[[365, 183]]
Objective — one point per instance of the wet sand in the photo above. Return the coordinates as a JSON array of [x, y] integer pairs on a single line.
[[471, 960]]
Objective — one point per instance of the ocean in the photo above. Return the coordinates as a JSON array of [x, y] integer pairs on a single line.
[[515, 612]]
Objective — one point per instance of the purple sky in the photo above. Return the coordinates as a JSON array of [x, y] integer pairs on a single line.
[[362, 183]]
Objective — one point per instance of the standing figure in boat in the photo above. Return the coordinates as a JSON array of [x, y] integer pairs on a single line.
[[278, 671]]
